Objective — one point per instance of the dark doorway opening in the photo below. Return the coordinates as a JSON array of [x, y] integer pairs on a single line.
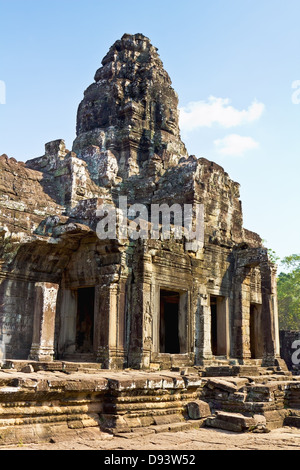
[[214, 326], [252, 332], [169, 320], [256, 335], [85, 320]]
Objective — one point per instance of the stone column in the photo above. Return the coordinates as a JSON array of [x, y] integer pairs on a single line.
[[147, 322], [241, 321], [110, 325], [42, 348], [269, 313], [102, 323], [275, 310], [141, 321], [116, 326], [223, 326], [203, 329]]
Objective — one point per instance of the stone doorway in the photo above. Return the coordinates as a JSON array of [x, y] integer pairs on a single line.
[[214, 326], [256, 333], [220, 342], [76, 324], [85, 320], [169, 322]]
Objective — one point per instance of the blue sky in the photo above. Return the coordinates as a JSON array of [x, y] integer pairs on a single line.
[[235, 60]]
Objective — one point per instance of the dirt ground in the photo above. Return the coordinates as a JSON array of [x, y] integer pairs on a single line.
[[198, 439]]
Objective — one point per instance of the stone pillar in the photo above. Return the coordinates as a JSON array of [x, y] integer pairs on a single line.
[[102, 323], [203, 329], [116, 327], [241, 321], [269, 313], [141, 321], [275, 310], [42, 348], [121, 355], [147, 322], [110, 325], [223, 326]]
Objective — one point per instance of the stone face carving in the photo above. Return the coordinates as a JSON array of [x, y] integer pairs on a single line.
[[131, 108], [128, 144]]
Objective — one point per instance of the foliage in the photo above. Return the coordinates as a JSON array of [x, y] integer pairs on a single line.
[[271, 253], [288, 285], [272, 256]]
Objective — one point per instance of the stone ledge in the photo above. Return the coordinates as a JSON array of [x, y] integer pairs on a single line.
[[132, 401]]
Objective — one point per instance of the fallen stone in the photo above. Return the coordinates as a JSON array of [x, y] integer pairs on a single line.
[[260, 420], [222, 385], [27, 369], [234, 422], [198, 409]]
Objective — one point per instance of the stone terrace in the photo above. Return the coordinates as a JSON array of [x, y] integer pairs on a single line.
[[37, 404]]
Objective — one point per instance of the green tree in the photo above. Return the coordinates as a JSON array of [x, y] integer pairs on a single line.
[[271, 253], [288, 286]]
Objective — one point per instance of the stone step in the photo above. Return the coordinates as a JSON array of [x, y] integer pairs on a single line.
[[23, 365], [175, 427], [54, 366], [172, 427], [79, 357], [233, 371]]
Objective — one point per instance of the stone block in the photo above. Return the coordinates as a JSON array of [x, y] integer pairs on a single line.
[[75, 424], [260, 420], [82, 385], [225, 425], [222, 385], [147, 420], [235, 422], [132, 421], [167, 419], [27, 369], [198, 409], [275, 418]]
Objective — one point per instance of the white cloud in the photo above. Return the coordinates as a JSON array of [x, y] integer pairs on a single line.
[[217, 111], [235, 145]]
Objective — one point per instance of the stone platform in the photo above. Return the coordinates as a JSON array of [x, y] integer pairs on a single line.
[[41, 400]]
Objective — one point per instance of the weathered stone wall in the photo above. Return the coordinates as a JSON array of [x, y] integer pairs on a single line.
[[65, 176], [17, 300], [23, 202]]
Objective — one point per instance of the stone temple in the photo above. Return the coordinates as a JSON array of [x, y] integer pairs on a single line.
[[68, 295], [105, 327]]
